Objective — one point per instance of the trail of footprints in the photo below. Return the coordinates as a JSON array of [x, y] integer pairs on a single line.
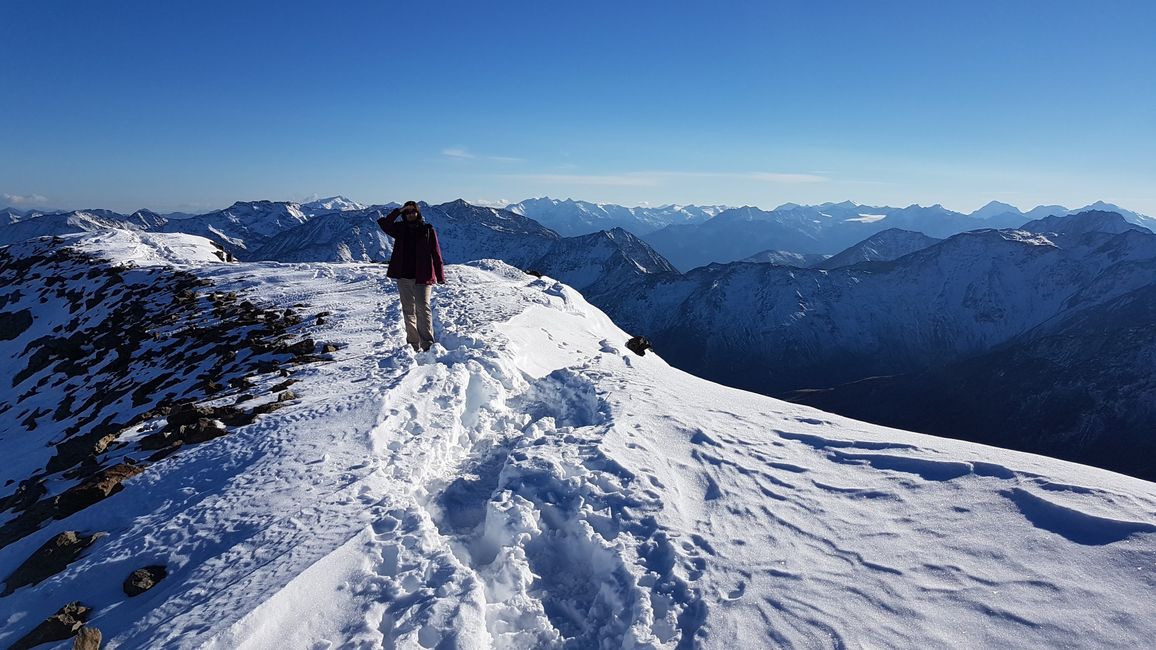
[[539, 539]]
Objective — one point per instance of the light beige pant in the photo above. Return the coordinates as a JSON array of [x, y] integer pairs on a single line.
[[416, 312]]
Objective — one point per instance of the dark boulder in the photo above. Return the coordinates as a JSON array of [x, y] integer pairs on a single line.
[[144, 579]]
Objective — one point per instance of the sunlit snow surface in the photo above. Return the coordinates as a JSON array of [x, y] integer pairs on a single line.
[[530, 483]]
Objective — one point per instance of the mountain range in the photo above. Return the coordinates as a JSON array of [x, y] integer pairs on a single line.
[[889, 310], [864, 336]]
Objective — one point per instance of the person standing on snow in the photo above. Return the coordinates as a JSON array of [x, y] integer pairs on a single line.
[[416, 264]]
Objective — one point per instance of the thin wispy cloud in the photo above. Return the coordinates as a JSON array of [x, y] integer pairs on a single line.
[[22, 199], [461, 153], [658, 178], [608, 180]]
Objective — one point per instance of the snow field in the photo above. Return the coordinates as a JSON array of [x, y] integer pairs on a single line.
[[529, 483]]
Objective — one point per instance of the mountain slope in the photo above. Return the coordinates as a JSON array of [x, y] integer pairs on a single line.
[[1080, 389], [243, 226], [349, 236], [602, 261], [881, 247], [530, 483], [60, 223], [785, 258]]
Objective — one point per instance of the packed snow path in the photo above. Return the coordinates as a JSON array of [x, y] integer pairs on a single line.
[[529, 483]]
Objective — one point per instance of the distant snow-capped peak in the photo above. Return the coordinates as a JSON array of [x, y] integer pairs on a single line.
[[332, 204]]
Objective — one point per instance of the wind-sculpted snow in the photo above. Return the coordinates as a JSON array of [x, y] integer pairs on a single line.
[[530, 483]]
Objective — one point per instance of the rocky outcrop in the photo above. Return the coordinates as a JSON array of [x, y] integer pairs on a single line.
[[50, 559], [62, 625], [102, 485], [87, 639], [117, 347]]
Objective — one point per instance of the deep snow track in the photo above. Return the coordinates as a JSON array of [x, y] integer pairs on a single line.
[[529, 483]]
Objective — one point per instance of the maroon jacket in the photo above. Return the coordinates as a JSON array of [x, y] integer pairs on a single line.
[[429, 253]]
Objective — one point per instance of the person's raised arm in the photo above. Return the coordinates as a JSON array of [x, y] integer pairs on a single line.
[[388, 223]]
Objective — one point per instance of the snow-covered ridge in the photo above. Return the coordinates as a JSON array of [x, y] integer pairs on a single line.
[[530, 483]]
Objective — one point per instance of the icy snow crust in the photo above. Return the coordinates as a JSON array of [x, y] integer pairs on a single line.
[[529, 483]]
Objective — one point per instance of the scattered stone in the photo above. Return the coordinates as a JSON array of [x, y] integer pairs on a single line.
[[301, 348], [48, 560], [88, 639], [188, 413], [203, 430], [62, 625], [281, 386], [329, 348], [78, 448], [286, 395], [639, 345], [144, 579], [98, 487], [267, 407]]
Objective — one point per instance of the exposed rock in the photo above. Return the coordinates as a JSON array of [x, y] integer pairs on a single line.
[[301, 348], [144, 579], [81, 447], [62, 625], [100, 486], [88, 639], [48, 560], [202, 430], [639, 345], [286, 396], [188, 413], [281, 386]]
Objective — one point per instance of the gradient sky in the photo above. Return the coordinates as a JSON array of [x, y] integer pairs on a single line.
[[181, 105]]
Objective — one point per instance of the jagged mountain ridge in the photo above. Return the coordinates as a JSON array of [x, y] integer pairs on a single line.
[[571, 218], [827, 229], [243, 226], [595, 262], [43, 225]]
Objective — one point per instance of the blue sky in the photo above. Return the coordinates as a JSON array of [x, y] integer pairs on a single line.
[[192, 105]]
